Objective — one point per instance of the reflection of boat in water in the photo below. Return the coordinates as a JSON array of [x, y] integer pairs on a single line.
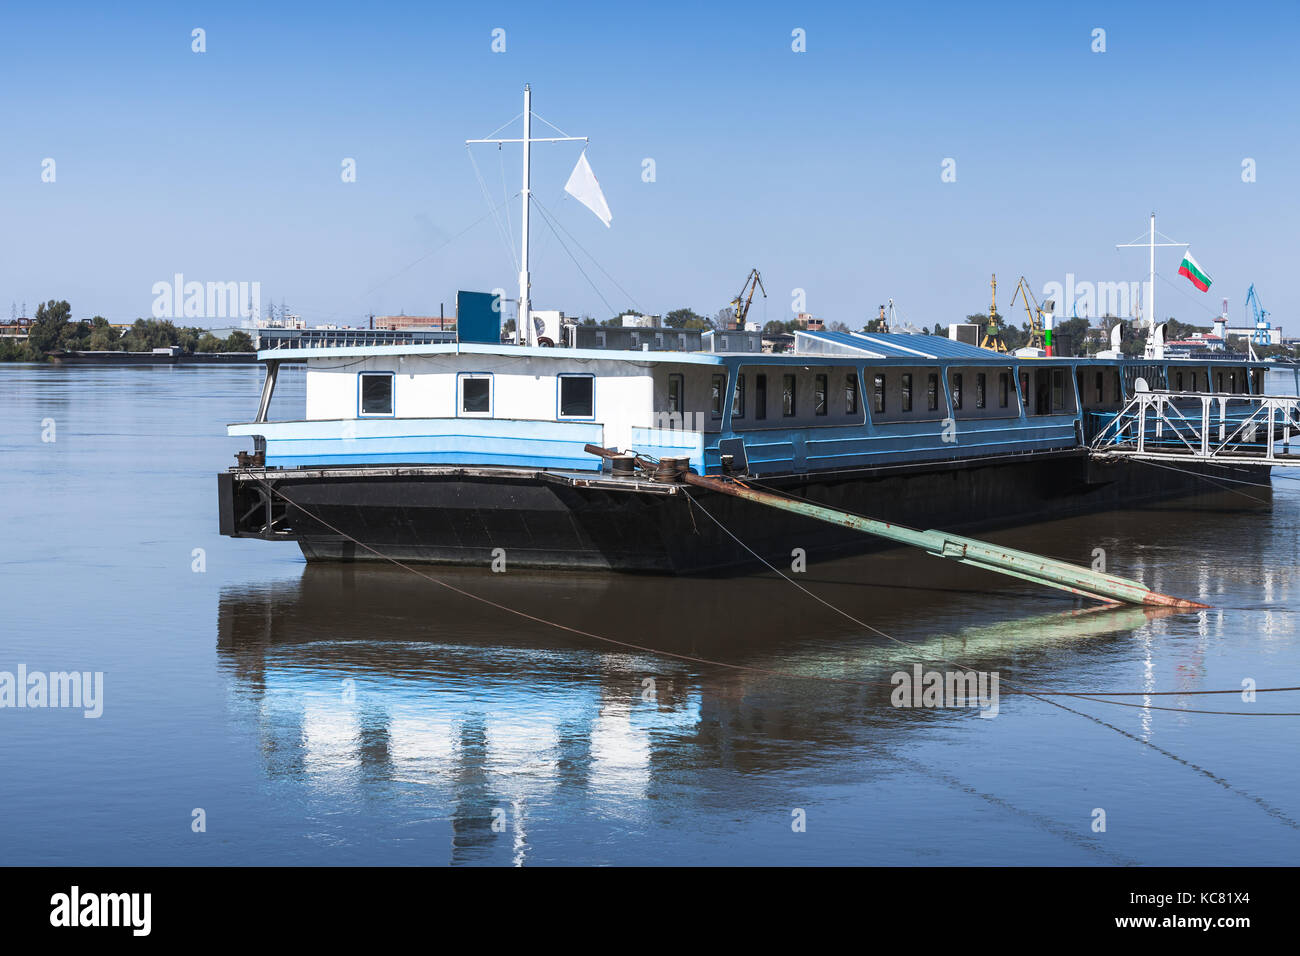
[[356, 675]]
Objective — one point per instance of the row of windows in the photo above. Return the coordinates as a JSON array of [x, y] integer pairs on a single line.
[[789, 395], [789, 392], [575, 398]]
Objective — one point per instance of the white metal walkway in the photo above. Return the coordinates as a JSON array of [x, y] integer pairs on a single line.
[[1186, 426]]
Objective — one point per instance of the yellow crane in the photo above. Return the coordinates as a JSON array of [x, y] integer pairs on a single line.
[[1036, 338], [740, 304], [992, 333]]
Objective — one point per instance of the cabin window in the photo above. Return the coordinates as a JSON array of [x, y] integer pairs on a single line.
[[980, 397], [738, 400], [675, 386], [878, 404], [659, 340], [932, 391], [577, 396], [1024, 388], [600, 340], [760, 396], [787, 396], [1220, 388], [724, 344], [851, 393], [956, 390], [1004, 389], [907, 391], [376, 393], [719, 386], [1101, 388], [475, 394], [819, 394], [1058, 389]]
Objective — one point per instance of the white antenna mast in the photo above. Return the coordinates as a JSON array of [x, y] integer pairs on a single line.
[[524, 322], [1153, 349]]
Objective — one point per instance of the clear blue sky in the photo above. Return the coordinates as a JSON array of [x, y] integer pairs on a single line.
[[820, 168]]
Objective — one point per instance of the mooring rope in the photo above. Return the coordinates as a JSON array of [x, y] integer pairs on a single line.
[[774, 672], [1024, 689], [1272, 811]]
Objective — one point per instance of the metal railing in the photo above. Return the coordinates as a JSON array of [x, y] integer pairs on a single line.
[[269, 339], [1224, 427]]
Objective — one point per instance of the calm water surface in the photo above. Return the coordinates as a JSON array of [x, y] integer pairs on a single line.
[[327, 715]]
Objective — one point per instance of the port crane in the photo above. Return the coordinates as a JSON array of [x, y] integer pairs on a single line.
[[740, 304], [1037, 338], [1262, 327], [993, 332]]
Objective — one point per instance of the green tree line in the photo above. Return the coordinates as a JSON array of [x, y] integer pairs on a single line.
[[53, 330]]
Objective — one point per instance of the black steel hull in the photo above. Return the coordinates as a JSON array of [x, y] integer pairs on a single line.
[[545, 521]]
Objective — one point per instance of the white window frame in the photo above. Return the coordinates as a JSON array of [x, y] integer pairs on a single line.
[[461, 377]]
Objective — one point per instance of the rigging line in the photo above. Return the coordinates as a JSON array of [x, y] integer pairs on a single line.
[[635, 304], [504, 125], [1027, 690], [437, 249], [544, 120], [415, 262], [547, 219], [510, 225], [502, 233], [1179, 289]]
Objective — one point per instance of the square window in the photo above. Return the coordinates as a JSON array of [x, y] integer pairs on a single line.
[[476, 395], [377, 393], [577, 396]]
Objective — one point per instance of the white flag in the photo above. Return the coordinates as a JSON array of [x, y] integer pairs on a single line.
[[583, 187]]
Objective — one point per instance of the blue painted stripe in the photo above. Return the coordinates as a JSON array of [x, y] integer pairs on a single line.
[[584, 463]]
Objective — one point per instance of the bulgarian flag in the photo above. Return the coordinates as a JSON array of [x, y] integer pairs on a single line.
[[1193, 271]]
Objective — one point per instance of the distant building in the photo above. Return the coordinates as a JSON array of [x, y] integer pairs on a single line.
[[397, 323], [1274, 334], [1199, 341], [16, 329]]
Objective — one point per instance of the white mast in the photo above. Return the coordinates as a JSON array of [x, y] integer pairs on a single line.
[[525, 302], [524, 323], [1153, 350]]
